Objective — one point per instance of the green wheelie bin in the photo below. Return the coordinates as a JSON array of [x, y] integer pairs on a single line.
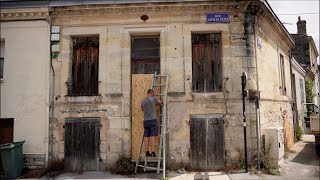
[[12, 159]]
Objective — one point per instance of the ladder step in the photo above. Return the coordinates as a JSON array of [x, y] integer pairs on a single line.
[[160, 94], [161, 75], [149, 167], [159, 85]]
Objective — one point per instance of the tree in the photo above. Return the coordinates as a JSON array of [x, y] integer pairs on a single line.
[[310, 95]]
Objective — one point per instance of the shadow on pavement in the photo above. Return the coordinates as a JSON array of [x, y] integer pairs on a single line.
[[307, 155]]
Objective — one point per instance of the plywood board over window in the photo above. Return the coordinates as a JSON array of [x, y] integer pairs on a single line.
[[206, 63], [140, 85], [85, 66]]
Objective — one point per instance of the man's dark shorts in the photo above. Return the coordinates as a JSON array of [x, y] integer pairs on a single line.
[[150, 128]]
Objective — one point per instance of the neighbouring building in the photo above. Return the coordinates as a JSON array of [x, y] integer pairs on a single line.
[[306, 53], [298, 94], [24, 70], [104, 53]]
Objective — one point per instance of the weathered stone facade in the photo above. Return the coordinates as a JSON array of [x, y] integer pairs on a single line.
[[175, 23], [115, 24]]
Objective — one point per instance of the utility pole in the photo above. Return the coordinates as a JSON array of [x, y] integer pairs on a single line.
[[244, 94]]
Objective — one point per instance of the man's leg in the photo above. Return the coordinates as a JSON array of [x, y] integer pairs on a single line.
[[153, 135], [153, 143], [146, 143]]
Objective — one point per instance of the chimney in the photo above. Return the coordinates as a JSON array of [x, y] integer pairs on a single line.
[[301, 25]]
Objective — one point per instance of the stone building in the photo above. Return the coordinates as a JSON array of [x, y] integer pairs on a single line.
[[306, 53], [298, 93], [204, 46]]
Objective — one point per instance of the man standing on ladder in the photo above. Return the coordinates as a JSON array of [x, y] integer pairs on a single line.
[[148, 106]]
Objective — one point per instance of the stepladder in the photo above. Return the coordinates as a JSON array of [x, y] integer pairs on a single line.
[[160, 86]]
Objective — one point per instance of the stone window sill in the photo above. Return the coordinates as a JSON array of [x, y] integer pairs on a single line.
[[214, 95], [83, 99]]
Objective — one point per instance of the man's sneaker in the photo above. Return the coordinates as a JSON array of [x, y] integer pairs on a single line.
[[153, 154], [148, 154]]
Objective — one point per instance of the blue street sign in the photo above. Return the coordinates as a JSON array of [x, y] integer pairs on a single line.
[[218, 18]]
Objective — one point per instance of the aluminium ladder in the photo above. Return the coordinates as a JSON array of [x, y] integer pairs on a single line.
[[163, 126]]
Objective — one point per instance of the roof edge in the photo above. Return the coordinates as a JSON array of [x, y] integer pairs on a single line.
[[265, 2]]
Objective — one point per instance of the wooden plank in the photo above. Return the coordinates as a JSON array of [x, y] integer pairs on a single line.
[[198, 150], [140, 85], [82, 137], [215, 143]]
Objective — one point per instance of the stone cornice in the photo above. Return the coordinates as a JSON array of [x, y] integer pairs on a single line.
[[298, 67], [141, 9], [24, 14]]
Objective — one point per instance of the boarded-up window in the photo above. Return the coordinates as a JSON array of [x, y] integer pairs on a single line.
[[85, 66], [206, 63], [145, 54], [282, 76]]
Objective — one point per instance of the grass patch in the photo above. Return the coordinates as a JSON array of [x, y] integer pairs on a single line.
[[299, 133]]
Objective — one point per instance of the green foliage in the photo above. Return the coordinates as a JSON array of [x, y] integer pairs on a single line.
[[299, 133], [268, 168], [123, 166], [310, 95]]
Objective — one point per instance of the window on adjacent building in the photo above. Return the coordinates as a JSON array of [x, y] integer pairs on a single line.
[[85, 66], [206, 63], [282, 76], [301, 90], [1, 58], [145, 54]]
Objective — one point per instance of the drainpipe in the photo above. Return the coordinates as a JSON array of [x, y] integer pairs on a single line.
[[257, 98], [51, 115]]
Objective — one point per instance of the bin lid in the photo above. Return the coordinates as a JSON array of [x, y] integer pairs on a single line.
[[11, 145]]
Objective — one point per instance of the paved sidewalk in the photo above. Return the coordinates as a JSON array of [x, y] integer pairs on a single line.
[[302, 163]]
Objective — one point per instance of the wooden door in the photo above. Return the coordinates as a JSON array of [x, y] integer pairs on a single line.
[[6, 134], [295, 119], [6, 130], [82, 149], [215, 143], [206, 142], [198, 138]]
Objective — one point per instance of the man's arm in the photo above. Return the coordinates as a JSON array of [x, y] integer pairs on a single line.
[[141, 107], [159, 102]]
